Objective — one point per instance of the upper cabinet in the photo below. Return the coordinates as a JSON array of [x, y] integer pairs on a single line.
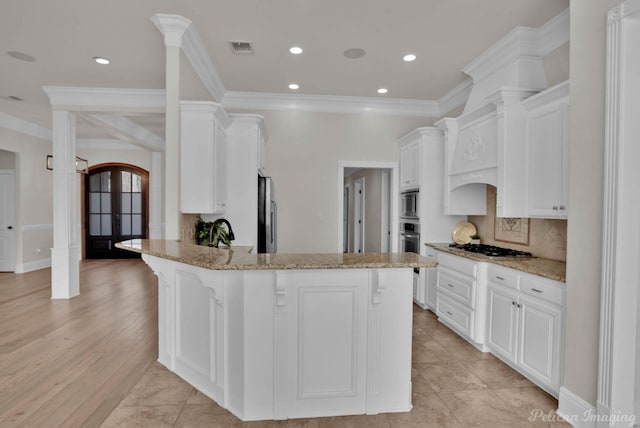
[[203, 157], [547, 152], [409, 164]]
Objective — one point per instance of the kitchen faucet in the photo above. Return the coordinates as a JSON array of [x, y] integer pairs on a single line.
[[214, 225]]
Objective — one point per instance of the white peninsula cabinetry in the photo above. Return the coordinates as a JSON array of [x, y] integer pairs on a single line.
[[278, 336], [547, 151], [203, 157], [524, 324]]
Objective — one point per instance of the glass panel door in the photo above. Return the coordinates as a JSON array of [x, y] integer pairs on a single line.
[[115, 209]]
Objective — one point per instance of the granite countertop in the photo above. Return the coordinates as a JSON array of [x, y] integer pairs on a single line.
[[548, 268], [233, 259]]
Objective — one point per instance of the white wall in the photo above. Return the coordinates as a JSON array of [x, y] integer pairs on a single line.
[[7, 160], [303, 152], [586, 158], [34, 203]]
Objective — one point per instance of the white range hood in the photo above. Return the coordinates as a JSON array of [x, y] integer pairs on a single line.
[[487, 143]]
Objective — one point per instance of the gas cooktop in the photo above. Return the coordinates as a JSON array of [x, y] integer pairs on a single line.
[[491, 250]]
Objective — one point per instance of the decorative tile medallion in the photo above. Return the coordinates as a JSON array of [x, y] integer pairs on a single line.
[[510, 229]]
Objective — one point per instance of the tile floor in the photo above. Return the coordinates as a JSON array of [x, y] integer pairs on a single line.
[[454, 385]]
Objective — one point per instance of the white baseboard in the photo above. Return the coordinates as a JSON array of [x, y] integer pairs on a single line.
[[31, 266], [575, 410]]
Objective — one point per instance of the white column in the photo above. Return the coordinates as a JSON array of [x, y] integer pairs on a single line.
[[156, 227], [172, 213], [65, 254], [173, 28]]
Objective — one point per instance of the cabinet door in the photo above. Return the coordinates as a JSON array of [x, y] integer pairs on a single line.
[[431, 282], [221, 162], [547, 146], [502, 321], [409, 166], [540, 341]]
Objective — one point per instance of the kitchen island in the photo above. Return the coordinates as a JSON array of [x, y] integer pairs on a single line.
[[279, 336]]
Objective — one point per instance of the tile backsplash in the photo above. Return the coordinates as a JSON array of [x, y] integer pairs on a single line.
[[547, 237]]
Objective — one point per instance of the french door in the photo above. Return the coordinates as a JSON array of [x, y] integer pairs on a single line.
[[115, 209]]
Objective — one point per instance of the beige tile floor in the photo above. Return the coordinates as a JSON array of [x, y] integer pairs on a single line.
[[454, 385]]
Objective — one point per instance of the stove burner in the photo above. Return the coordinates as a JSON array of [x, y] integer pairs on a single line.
[[491, 250]]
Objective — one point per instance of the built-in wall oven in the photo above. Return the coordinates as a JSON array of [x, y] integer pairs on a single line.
[[410, 237], [409, 204]]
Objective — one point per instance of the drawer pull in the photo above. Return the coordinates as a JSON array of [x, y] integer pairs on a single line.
[[500, 278], [519, 305], [451, 285], [513, 303], [449, 313], [536, 290]]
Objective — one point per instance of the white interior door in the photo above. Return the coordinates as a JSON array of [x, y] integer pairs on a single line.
[[385, 213], [345, 220], [7, 221], [358, 215]]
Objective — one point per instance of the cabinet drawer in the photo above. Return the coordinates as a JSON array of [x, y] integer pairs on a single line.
[[455, 314], [459, 264], [542, 288], [450, 283], [503, 276]]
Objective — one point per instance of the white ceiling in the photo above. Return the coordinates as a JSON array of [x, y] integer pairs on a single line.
[[64, 35]]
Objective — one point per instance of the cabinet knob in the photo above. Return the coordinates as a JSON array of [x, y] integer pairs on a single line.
[[562, 207], [555, 208]]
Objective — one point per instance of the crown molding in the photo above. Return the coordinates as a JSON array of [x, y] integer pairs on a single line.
[[113, 100], [126, 130], [456, 97], [196, 52], [104, 144], [251, 119], [24, 127], [521, 42], [548, 96], [329, 104], [172, 27], [554, 33]]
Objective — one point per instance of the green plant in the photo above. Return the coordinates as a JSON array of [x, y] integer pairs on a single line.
[[202, 229], [475, 236]]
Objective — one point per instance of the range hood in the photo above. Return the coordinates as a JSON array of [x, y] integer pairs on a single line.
[[487, 143]]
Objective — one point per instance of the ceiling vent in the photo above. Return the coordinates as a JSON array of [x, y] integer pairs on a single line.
[[241, 48]]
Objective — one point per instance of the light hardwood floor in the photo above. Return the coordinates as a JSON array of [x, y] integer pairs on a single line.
[[69, 363]]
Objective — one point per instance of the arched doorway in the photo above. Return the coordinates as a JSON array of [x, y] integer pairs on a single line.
[[116, 200]]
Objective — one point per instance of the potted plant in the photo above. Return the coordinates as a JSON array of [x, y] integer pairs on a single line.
[[475, 239], [202, 231]]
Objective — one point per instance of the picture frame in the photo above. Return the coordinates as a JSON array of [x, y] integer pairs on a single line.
[[511, 229]]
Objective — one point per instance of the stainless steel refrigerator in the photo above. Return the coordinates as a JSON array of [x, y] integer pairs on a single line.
[[267, 216]]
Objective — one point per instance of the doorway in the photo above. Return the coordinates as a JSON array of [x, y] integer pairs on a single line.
[[7, 221], [116, 198], [367, 222]]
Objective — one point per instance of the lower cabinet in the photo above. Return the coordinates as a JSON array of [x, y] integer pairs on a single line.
[[526, 332]]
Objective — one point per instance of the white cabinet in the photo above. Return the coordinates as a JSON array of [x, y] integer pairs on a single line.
[[523, 330], [409, 165], [547, 150], [425, 283], [203, 157], [460, 296]]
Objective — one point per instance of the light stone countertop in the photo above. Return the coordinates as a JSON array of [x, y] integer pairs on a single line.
[[239, 259], [548, 268]]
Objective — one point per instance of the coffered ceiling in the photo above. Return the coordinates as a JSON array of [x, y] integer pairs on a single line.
[[64, 35]]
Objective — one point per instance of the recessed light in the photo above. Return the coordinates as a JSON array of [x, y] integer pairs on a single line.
[[409, 57], [101, 61], [21, 56], [295, 50], [294, 86], [383, 90], [354, 53]]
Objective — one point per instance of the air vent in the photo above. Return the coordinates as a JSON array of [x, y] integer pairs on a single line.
[[241, 48]]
